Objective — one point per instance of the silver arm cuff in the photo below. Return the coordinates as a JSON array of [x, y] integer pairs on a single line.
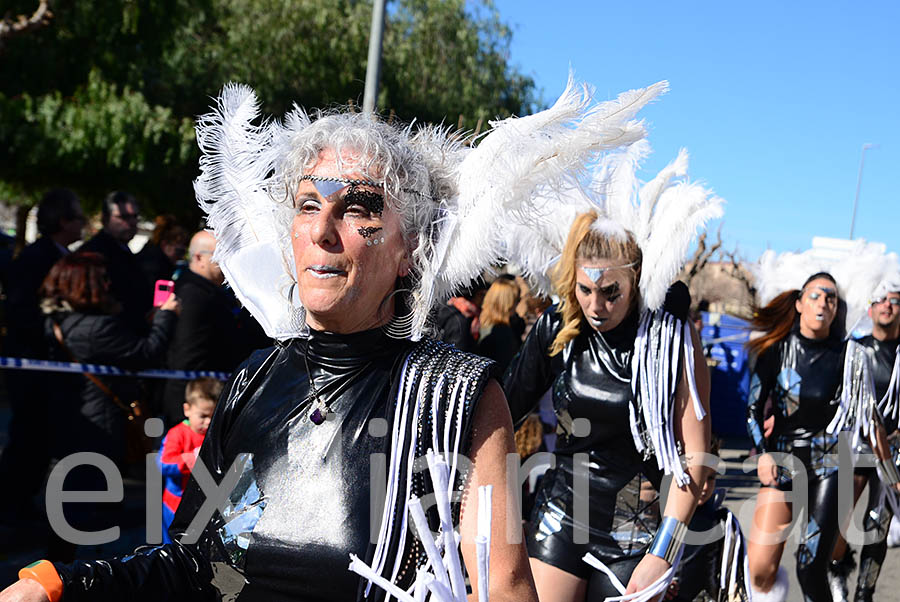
[[889, 470], [669, 539]]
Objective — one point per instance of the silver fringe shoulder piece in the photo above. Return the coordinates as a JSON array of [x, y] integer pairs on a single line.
[[439, 388], [889, 405], [857, 404], [663, 351]]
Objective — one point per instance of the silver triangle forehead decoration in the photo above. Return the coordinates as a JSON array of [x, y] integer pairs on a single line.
[[596, 274], [328, 186]]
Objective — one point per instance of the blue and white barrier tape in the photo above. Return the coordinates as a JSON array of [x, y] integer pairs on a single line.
[[19, 363]]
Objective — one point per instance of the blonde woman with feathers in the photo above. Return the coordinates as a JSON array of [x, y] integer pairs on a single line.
[[583, 349]]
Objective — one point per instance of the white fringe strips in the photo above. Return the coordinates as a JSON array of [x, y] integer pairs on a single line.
[[449, 386], [661, 340], [856, 410], [734, 570], [441, 578], [734, 561], [649, 593]]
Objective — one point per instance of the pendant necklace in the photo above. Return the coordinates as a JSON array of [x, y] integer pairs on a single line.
[[318, 410]]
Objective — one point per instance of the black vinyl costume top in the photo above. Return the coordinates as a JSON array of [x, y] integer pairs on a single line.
[[302, 502], [882, 366], [804, 378], [590, 380]]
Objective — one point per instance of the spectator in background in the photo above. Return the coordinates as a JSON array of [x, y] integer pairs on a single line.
[[83, 325], [26, 457], [182, 443], [498, 340], [457, 322], [128, 285], [166, 247], [207, 336]]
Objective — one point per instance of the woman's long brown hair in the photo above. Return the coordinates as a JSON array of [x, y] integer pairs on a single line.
[[775, 319]]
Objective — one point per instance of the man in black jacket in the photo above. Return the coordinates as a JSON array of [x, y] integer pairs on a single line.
[[208, 335], [25, 459], [119, 216]]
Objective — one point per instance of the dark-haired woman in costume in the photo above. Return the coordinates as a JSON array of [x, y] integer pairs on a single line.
[[799, 363]]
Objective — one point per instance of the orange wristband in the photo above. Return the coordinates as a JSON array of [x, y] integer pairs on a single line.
[[44, 573]]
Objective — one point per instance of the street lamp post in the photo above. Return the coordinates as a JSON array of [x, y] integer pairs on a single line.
[[373, 65], [862, 162]]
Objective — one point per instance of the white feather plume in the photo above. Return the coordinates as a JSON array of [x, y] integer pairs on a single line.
[[514, 196], [664, 215], [237, 159], [776, 273]]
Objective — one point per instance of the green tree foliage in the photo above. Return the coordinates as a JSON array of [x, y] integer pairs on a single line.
[[105, 95]]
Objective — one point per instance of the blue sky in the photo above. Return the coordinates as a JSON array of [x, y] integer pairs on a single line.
[[774, 101]]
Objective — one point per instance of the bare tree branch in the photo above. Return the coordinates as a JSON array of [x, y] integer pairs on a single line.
[[702, 255], [738, 272], [10, 26]]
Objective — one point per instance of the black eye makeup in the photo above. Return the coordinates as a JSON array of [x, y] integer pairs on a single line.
[[610, 291], [371, 201]]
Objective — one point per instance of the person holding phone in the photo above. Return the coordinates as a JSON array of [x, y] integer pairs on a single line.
[[84, 324], [208, 334]]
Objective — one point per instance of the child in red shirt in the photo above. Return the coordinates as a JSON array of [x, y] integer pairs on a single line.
[[182, 443]]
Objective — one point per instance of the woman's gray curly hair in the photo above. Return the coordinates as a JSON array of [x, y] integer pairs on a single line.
[[418, 170]]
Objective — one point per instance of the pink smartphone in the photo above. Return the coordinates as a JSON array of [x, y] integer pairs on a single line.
[[162, 290]]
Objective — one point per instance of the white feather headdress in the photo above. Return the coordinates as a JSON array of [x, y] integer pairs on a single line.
[[500, 186], [664, 215]]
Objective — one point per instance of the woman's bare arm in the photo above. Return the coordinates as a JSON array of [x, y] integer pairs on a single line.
[[492, 442]]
